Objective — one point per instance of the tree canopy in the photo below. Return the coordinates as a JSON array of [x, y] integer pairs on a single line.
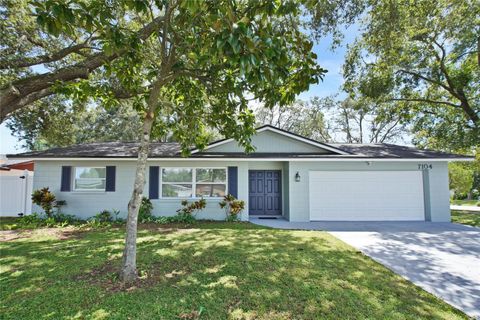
[[185, 65], [332, 120], [305, 118], [424, 56], [55, 122], [208, 40]]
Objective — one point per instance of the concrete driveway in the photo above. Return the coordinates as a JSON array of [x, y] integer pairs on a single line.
[[442, 258], [466, 208]]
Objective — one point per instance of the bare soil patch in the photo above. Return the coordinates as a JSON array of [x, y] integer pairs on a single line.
[[106, 276], [58, 233]]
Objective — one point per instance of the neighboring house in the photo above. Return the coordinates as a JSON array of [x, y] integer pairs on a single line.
[[24, 165], [288, 175], [20, 164]]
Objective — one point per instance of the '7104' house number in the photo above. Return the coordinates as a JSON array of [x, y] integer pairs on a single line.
[[425, 166]]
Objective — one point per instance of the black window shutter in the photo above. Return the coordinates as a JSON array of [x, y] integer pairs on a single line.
[[66, 179], [153, 182], [233, 181], [110, 179]]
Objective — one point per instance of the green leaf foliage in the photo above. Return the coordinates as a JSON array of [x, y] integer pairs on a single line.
[[422, 59], [56, 122], [212, 57], [461, 178]]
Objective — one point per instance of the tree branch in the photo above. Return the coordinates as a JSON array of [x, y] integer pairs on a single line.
[[12, 96], [387, 133], [458, 92], [416, 74], [25, 100], [32, 61], [426, 100]]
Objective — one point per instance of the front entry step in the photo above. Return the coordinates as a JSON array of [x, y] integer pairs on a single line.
[[276, 216]]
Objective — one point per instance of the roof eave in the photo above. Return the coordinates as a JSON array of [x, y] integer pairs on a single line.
[[217, 158]]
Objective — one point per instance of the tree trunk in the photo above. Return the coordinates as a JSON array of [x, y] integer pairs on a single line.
[[465, 105], [128, 272]]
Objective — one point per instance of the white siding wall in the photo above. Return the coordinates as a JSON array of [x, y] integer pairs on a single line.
[[169, 207], [439, 193], [295, 194], [87, 204], [268, 141]]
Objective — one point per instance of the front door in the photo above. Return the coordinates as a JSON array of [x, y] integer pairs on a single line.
[[264, 192]]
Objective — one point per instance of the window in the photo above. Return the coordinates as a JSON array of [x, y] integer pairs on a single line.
[[211, 182], [177, 183], [89, 179], [197, 182]]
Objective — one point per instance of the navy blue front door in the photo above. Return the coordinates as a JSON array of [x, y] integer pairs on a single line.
[[264, 192]]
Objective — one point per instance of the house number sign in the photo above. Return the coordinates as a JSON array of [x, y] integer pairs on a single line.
[[425, 166]]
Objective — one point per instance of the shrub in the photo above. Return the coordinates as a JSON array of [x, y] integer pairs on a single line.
[[35, 221], [50, 222], [163, 220], [94, 224], [174, 219], [103, 219], [189, 210], [59, 204], [45, 199], [145, 211], [30, 221], [103, 216], [233, 207], [115, 214], [182, 218], [65, 218]]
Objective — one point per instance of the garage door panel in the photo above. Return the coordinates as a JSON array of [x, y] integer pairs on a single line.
[[366, 195]]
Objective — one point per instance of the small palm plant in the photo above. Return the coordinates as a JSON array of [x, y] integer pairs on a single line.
[[233, 207], [45, 199]]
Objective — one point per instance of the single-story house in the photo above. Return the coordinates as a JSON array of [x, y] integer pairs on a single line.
[[288, 175]]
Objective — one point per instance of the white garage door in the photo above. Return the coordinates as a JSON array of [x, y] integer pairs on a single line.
[[366, 195]]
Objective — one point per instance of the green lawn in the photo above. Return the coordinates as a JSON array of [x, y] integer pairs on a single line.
[[8, 223], [466, 217], [464, 202], [209, 271]]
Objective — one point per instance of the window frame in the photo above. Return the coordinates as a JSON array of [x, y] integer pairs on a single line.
[[193, 183], [74, 178]]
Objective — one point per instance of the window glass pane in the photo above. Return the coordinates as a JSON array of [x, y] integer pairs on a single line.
[[210, 190], [84, 172], [211, 175], [177, 175], [90, 184], [177, 190]]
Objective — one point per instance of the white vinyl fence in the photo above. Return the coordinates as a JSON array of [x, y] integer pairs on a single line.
[[15, 192]]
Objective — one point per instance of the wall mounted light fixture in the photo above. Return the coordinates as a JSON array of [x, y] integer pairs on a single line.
[[297, 177]]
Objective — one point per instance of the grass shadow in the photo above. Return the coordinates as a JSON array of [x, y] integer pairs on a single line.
[[209, 270]]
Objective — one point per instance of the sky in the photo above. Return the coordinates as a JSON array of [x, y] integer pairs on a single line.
[[331, 84]]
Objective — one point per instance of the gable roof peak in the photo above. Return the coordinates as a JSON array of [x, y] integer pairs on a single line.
[[283, 132]]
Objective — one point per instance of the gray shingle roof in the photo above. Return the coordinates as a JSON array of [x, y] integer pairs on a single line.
[[104, 150], [386, 150], [172, 150]]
